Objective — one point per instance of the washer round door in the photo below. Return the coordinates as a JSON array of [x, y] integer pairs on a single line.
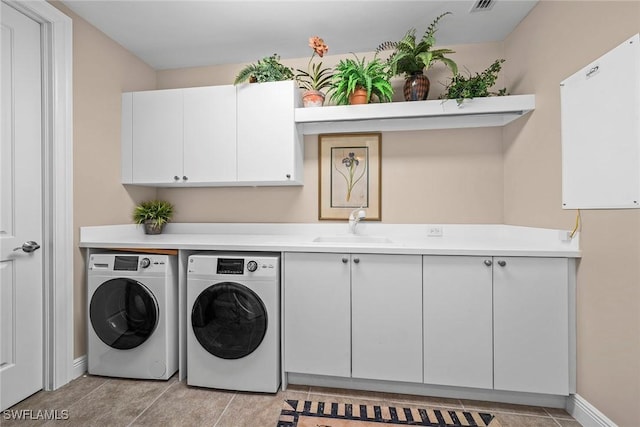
[[229, 320], [123, 313]]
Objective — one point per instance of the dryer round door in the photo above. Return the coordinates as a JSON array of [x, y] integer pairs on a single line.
[[229, 320], [123, 313]]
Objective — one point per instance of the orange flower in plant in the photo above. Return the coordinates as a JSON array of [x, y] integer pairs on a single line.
[[318, 46], [316, 77]]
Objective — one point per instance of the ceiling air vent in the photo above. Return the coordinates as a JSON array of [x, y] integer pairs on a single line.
[[482, 5]]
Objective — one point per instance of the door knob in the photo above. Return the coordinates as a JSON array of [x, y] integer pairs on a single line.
[[28, 247]]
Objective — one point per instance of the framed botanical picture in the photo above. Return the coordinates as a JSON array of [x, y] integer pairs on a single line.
[[349, 175]]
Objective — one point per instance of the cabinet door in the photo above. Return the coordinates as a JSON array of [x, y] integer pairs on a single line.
[[157, 136], [458, 324], [317, 314], [269, 147], [387, 317], [210, 134], [531, 325]]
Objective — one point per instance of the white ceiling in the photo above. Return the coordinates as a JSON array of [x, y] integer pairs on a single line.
[[176, 34]]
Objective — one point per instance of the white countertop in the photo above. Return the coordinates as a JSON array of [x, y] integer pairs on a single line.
[[456, 239]]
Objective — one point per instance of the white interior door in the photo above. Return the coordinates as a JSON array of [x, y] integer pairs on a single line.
[[21, 280]]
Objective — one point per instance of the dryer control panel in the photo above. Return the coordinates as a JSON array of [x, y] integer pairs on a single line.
[[258, 266]]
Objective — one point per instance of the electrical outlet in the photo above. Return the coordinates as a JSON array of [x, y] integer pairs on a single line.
[[434, 231]]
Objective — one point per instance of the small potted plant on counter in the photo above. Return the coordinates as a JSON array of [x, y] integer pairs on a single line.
[[461, 87], [154, 214], [412, 57], [315, 78], [355, 81], [267, 69]]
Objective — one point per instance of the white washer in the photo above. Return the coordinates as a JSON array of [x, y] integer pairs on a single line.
[[233, 325], [133, 315]]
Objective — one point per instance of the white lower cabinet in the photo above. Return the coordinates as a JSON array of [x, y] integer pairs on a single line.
[[317, 314], [458, 333], [499, 323], [531, 324], [386, 317], [353, 315]]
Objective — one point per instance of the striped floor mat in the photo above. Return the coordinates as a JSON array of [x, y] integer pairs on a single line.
[[303, 413]]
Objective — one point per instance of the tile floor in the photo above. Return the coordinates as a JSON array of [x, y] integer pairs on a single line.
[[98, 401]]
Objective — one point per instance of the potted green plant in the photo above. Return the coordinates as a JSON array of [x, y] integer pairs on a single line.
[[154, 214], [355, 81], [315, 78], [267, 69], [412, 57], [461, 87]]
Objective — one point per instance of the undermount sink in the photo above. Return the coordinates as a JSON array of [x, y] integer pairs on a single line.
[[353, 239]]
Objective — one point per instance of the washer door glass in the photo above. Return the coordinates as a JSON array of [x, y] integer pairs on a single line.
[[123, 313], [229, 320]]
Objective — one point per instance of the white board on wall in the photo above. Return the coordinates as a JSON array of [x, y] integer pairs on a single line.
[[600, 107]]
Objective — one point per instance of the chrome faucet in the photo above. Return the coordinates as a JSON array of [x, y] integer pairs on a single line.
[[354, 218]]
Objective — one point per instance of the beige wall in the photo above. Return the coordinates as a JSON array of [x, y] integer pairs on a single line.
[[555, 40], [102, 70], [432, 177]]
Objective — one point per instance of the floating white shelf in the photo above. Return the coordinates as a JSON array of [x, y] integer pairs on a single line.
[[415, 115]]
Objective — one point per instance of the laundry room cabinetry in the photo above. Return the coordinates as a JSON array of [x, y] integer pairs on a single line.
[[270, 147], [179, 136], [317, 313], [504, 321], [458, 323], [531, 312], [353, 315], [212, 136]]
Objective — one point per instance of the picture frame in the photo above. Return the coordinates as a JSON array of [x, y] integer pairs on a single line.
[[349, 175]]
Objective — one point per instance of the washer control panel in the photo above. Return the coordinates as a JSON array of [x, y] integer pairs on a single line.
[[128, 263]]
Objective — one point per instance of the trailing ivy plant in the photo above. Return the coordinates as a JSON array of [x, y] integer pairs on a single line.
[[462, 87], [267, 69]]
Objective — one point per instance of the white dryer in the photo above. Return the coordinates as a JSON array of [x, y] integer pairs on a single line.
[[133, 315], [233, 325]]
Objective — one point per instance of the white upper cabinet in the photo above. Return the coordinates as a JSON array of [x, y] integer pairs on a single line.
[[212, 136], [155, 128], [270, 148]]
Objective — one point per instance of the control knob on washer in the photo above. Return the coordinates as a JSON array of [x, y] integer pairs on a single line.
[[252, 266], [145, 262]]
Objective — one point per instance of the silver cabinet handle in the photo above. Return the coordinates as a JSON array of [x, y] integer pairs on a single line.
[[502, 263], [356, 260], [28, 247], [185, 178], [176, 178], [487, 262], [345, 260]]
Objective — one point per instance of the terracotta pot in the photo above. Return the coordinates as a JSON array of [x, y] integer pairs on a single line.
[[312, 98], [416, 87], [359, 96]]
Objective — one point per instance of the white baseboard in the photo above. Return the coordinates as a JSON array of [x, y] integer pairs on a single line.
[[587, 414], [79, 367]]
